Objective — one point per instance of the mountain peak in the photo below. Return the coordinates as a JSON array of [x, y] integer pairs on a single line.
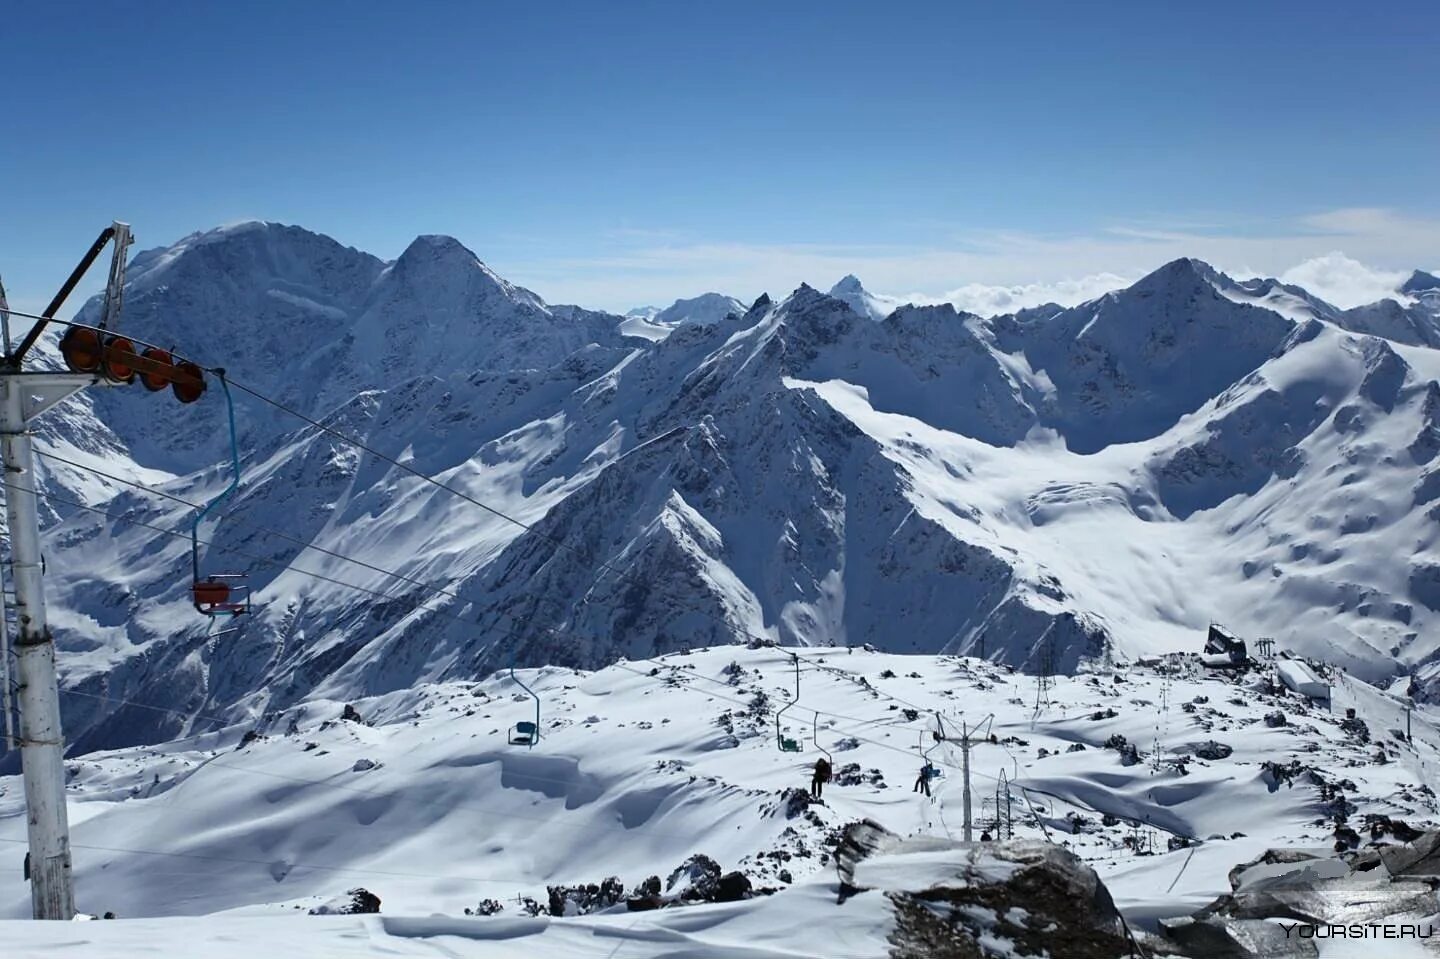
[[1185, 273], [1420, 282], [443, 262], [1188, 266], [861, 300], [437, 246]]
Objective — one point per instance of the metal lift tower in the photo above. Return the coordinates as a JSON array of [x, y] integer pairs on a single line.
[[25, 395]]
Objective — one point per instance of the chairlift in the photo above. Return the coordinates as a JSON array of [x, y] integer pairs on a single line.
[[816, 732], [932, 771], [786, 744], [525, 733], [219, 594]]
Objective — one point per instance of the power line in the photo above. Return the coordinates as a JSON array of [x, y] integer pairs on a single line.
[[416, 605], [405, 798], [874, 742], [721, 682], [550, 820], [359, 444], [465, 496], [641, 673], [951, 765], [506, 773], [811, 663], [279, 534], [621, 574]]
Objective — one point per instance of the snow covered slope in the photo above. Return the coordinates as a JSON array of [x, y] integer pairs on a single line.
[[1048, 487], [644, 764]]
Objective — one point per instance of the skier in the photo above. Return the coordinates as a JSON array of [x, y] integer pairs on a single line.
[[922, 782], [821, 777]]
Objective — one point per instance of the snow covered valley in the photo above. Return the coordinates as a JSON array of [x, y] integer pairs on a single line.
[[645, 764]]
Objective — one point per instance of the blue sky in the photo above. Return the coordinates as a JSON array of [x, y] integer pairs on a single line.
[[614, 154]]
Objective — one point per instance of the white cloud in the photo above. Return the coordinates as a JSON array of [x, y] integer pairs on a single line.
[[985, 271], [1349, 221], [1343, 281], [989, 300]]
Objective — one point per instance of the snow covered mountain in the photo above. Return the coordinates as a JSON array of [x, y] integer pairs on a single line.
[[311, 323], [653, 323], [1411, 317], [1042, 489]]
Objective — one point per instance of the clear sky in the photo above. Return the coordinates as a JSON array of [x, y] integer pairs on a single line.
[[617, 153]]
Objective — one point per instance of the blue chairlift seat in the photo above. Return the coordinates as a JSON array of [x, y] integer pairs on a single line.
[[524, 734]]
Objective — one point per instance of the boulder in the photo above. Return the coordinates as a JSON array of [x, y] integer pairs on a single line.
[[957, 900], [699, 873], [645, 896], [356, 901], [1235, 939], [732, 887], [858, 841], [580, 900], [1320, 892], [1261, 866], [1211, 750], [1419, 859]]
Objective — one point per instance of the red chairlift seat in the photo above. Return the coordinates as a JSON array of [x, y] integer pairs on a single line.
[[213, 596]]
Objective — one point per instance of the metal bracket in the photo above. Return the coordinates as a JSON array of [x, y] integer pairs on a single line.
[[115, 287], [43, 390], [4, 319]]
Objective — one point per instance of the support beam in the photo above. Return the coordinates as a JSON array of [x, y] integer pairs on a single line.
[[42, 743]]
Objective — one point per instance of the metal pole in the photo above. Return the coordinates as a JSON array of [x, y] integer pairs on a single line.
[[4, 319], [115, 288], [42, 745], [965, 753], [14, 359], [7, 682]]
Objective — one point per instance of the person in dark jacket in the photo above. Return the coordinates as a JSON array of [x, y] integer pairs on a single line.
[[922, 781], [821, 777]]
